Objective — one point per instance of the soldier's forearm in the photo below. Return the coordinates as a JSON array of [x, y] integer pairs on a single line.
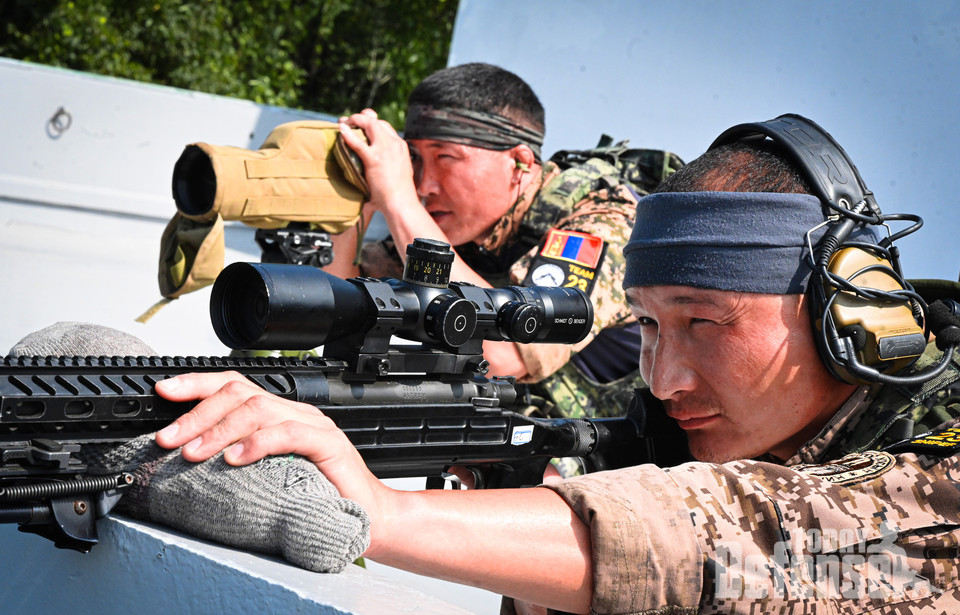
[[496, 540], [345, 247]]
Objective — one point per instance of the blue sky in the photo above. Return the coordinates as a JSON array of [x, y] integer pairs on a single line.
[[882, 77]]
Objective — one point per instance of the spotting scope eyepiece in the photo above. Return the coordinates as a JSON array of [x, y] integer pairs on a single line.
[[293, 307]]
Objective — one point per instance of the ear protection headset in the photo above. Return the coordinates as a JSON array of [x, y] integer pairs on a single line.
[[868, 321]]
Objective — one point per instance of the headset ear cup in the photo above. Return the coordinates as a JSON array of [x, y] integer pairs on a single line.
[[866, 318], [861, 334], [857, 334]]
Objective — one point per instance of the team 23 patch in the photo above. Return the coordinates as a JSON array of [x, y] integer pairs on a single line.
[[939, 442], [567, 258], [851, 469]]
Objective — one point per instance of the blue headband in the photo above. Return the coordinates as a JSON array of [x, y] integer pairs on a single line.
[[741, 241]]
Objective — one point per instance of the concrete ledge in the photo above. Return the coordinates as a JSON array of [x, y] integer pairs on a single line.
[[145, 569]]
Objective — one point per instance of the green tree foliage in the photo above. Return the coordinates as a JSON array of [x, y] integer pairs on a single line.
[[333, 56]]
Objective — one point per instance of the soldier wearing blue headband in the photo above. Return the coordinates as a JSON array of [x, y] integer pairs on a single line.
[[816, 488]]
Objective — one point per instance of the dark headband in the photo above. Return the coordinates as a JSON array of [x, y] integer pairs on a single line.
[[479, 129], [740, 241]]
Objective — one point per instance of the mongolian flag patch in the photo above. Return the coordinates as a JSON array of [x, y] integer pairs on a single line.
[[567, 258], [579, 248]]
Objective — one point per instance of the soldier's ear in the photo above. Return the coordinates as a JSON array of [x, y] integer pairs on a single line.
[[523, 160]]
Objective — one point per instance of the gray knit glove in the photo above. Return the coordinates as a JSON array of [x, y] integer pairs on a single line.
[[281, 505], [68, 339]]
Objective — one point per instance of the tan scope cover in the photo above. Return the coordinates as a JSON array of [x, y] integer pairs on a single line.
[[295, 176], [191, 255], [298, 175]]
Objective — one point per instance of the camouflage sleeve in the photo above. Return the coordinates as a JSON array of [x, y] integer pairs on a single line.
[[609, 215], [645, 551], [871, 532]]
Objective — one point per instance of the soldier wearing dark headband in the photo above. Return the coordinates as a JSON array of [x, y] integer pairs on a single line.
[[469, 171], [476, 128], [809, 494]]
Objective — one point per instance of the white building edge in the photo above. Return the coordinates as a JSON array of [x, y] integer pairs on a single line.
[[84, 198]]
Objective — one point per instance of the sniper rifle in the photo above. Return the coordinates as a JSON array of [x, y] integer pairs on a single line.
[[411, 410]]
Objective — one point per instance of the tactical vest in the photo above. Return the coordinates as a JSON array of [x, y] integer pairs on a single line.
[[901, 412], [570, 392]]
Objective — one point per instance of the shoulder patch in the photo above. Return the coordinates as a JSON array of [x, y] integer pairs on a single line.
[[567, 258], [851, 469], [939, 442]]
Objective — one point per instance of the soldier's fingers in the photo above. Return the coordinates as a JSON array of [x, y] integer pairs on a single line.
[[465, 475], [256, 412], [316, 440], [358, 120], [194, 386], [375, 129], [220, 393], [352, 139], [551, 474]]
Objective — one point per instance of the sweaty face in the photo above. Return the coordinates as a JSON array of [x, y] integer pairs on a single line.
[[739, 372], [465, 189]]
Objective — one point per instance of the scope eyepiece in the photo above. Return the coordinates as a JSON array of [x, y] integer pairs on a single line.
[[544, 314]]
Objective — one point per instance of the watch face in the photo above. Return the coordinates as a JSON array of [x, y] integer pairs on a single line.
[[547, 275]]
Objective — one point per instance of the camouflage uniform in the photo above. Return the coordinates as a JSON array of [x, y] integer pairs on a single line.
[[588, 198], [870, 531]]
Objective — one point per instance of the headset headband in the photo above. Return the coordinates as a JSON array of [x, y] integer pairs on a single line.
[[846, 314], [827, 167]]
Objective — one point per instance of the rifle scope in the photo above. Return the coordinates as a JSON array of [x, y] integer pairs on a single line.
[[293, 307]]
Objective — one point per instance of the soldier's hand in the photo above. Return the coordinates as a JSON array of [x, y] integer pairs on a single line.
[[246, 423], [386, 160]]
